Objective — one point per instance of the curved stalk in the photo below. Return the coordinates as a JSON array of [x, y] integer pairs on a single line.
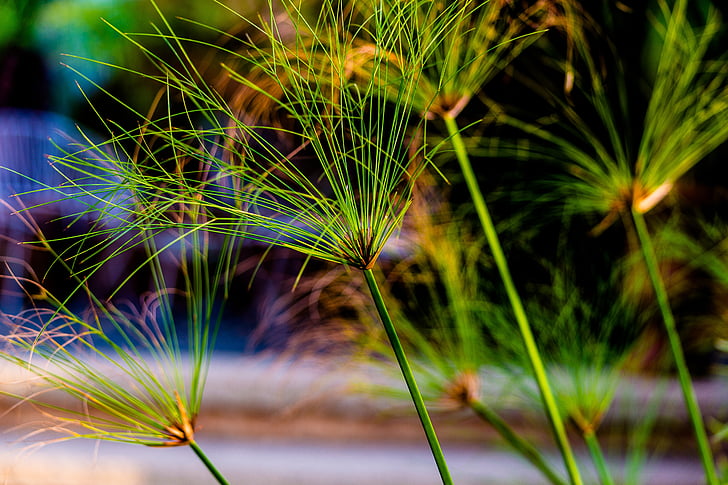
[[595, 449], [557, 424], [210, 466], [408, 377], [686, 384], [526, 449]]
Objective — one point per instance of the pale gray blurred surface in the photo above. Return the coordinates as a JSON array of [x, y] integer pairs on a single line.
[[278, 423]]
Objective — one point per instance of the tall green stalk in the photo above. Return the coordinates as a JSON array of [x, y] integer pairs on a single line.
[[526, 449], [595, 449], [210, 466], [408, 377], [691, 402], [529, 341]]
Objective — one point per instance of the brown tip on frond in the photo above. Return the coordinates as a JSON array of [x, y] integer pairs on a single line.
[[605, 223], [183, 432], [587, 425], [177, 436], [462, 390], [371, 261]]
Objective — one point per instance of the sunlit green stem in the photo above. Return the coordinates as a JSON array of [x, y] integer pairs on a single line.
[[526, 449], [409, 378], [210, 466], [590, 438], [491, 235], [691, 402]]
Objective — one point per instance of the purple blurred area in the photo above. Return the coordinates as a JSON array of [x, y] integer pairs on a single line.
[[36, 200]]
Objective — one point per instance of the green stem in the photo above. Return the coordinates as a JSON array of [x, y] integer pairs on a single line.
[[409, 378], [534, 357], [598, 457], [691, 402], [526, 449], [639, 439], [210, 466]]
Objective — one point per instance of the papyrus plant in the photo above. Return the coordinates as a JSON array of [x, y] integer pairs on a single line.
[[586, 340], [334, 184], [478, 41], [469, 345], [469, 341], [628, 161], [130, 371]]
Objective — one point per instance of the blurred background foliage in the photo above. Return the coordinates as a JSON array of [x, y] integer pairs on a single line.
[[536, 228], [35, 35]]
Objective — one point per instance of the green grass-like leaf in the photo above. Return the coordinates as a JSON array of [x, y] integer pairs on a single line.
[[357, 185], [124, 365], [685, 119]]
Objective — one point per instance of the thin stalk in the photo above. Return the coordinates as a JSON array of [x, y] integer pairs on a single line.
[[552, 411], [210, 466], [595, 449], [638, 442], [526, 449], [409, 378], [686, 384]]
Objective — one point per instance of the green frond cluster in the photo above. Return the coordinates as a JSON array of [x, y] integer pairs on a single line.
[[687, 115], [586, 343], [345, 181], [685, 120], [463, 44], [134, 370], [124, 369]]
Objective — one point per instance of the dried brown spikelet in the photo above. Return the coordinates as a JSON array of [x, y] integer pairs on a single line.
[[462, 390]]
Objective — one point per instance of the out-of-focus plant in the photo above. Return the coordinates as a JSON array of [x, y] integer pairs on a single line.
[[57, 27], [705, 249], [586, 341], [468, 338], [611, 174], [467, 44], [463, 344]]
